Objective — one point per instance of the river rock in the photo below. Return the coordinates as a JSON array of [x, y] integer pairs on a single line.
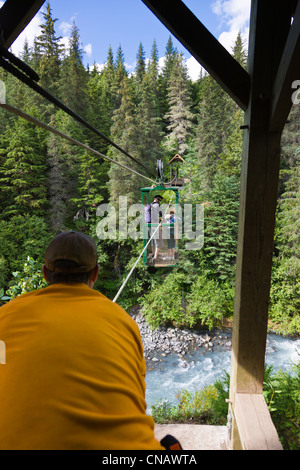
[[164, 340]]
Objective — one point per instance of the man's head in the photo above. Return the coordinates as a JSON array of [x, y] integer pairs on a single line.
[[71, 257], [158, 198]]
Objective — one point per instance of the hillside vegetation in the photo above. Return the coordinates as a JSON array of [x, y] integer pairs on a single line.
[[48, 185]]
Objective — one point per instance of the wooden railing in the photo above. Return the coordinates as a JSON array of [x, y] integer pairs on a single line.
[[254, 428]]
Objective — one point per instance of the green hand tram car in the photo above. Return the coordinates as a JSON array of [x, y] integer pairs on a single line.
[[160, 226]]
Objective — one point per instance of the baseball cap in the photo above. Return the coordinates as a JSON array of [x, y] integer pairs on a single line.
[[72, 246], [158, 196]]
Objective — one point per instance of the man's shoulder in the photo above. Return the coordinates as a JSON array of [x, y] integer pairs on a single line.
[[20, 298]]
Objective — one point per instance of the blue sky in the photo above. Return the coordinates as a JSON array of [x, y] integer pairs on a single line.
[[104, 23]]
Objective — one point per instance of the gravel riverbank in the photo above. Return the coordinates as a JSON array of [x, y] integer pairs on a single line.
[[163, 341]]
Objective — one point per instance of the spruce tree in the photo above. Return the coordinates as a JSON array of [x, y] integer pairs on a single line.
[[140, 64], [214, 119], [102, 91], [219, 121], [285, 285], [164, 78], [180, 117], [153, 65], [221, 225], [23, 170], [170, 56], [239, 52], [92, 189], [120, 74], [62, 177], [74, 77], [48, 53], [230, 159], [150, 125], [125, 132]]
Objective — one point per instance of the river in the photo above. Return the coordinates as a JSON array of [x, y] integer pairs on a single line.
[[200, 367]]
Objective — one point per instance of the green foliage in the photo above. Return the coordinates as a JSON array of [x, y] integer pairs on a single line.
[[221, 225], [285, 287], [22, 172], [285, 295], [48, 185], [282, 394], [27, 280], [20, 237], [179, 117], [192, 407], [206, 406], [74, 77], [207, 302], [186, 301], [165, 303], [48, 53]]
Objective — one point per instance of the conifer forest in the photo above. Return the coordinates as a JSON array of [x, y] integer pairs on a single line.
[[48, 185]]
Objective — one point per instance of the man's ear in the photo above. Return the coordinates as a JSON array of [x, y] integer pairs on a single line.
[[94, 276], [45, 273]]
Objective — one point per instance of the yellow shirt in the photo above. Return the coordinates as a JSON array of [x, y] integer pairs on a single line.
[[74, 373]]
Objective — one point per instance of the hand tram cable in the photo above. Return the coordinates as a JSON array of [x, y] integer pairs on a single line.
[[141, 254], [51, 129], [35, 121], [29, 78]]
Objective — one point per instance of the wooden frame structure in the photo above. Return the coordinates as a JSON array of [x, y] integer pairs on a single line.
[[264, 92], [14, 17]]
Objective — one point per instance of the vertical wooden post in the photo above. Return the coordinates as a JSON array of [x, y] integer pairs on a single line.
[[259, 187]]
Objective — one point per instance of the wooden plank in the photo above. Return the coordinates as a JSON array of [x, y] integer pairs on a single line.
[[186, 27], [287, 74], [14, 17], [266, 422], [255, 426]]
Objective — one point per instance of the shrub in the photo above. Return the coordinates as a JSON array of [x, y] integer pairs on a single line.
[[206, 406], [185, 301], [282, 394], [31, 278]]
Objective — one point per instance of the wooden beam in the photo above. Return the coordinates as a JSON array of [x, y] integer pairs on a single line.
[[14, 17], [288, 73], [259, 189], [186, 27], [255, 426]]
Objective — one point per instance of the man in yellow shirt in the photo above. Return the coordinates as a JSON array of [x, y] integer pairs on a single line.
[[74, 372]]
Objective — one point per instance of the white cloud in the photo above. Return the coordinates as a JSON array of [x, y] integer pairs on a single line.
[[194, 68], [65, 28], [98, 67], [234, 17], [88, 50], [65, 42], [1, 4], [161, 63], [32, 30]]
